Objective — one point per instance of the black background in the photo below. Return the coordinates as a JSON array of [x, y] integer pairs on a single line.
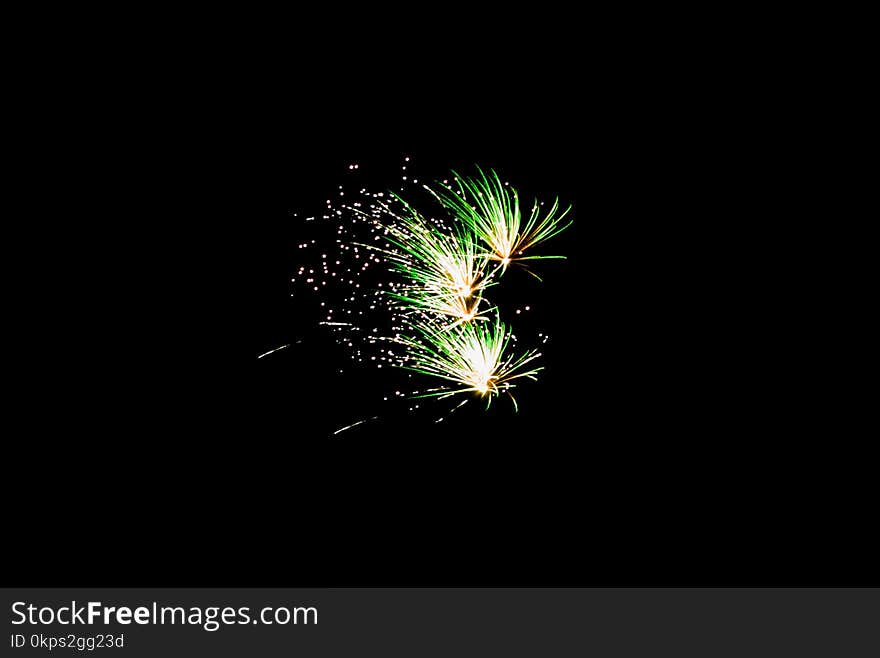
[[681, 433]]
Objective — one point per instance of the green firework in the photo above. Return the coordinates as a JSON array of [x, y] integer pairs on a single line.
[[474, 357], [445, 270], [491, 211]]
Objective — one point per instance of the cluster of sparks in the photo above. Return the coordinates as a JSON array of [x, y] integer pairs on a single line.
[[432, 316]]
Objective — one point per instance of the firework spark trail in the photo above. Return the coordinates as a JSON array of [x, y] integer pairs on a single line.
[[453, 410], [348, 427], [273, 351]]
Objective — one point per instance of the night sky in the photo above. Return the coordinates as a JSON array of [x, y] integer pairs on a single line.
[[664, 443]]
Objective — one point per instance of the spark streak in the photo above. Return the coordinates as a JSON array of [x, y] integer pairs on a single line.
[[360, 422], [273, 351]]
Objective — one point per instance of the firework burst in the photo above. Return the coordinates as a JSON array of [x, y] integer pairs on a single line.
[[491, 210], [445, 270], [406, 288], [473, 357]]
